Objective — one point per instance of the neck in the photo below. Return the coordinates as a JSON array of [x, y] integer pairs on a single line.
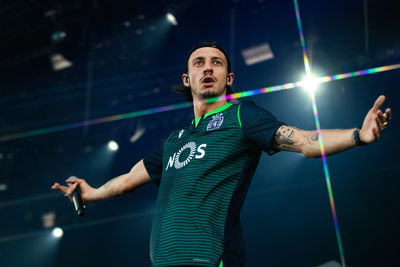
[[202, 108]]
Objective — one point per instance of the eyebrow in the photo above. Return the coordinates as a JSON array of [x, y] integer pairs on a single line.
[[213, 58]]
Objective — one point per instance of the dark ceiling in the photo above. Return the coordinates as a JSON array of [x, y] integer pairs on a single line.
[[127, 57]]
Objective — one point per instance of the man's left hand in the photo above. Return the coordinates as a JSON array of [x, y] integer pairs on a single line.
[[375, 122]]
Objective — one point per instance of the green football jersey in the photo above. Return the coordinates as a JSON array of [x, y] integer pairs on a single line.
[[203, 172]]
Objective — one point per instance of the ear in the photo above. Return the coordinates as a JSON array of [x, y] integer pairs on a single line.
[[230, 78], [185, 80]]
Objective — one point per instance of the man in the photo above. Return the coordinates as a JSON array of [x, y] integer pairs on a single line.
[[204, 170]]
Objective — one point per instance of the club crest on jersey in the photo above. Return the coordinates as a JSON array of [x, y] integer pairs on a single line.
[[216, 122]]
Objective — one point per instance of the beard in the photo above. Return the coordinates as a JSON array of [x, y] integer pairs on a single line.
[[210, 93]]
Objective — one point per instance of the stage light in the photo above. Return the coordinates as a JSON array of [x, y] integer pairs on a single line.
[[171, 18], [59, 62], [310, 83], [58, 36], [58, 232], [140, 131], [48, 219], [113, 146], [257, 54], [3, 187]]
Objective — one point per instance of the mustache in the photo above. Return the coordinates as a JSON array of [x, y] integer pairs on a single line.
[[208, 75]]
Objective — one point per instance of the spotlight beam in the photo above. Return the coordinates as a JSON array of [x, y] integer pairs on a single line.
[[321, 143], [9, 238], [149, 111]]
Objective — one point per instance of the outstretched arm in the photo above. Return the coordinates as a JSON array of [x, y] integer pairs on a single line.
[[120, 185], [289, 138]]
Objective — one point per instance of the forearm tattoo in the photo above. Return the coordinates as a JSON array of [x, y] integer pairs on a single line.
[[313, 139], [283, 139]]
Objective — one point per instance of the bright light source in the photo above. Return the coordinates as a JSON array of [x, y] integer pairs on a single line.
[[58, 232], [48, 219], [171, 18], [59, 62], [3, 187], [310, 83], [58, 36], [112, 145], [257, 54], [138, 133]]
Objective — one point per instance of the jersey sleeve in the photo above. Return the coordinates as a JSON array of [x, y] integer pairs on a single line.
[[153, 165], [258, 124]]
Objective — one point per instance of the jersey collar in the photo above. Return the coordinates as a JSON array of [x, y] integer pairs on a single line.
[[219, 109]]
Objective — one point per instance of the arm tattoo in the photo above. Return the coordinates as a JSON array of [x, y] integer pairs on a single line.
[[283, 139], [313, 138], [291, 133]]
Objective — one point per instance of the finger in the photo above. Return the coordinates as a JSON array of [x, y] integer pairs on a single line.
[[55, 186], [74, 180], [379, 123], [381, 116], [71, 190], [379, 102], [59, 187], [388, 113]]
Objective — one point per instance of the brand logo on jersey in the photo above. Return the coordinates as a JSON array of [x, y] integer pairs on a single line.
[[216, 122], [196, 152], [180, 133]]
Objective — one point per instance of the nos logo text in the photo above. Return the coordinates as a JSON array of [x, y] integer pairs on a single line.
[[196, 152]]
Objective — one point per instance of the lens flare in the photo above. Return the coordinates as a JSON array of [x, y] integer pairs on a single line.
[[321, 143], [149, 111], [310, 83]]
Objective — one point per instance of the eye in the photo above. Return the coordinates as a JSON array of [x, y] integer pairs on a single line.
[[197, 63], [217, 62]]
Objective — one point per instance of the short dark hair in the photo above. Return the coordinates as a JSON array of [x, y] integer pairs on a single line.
[[186, 91]]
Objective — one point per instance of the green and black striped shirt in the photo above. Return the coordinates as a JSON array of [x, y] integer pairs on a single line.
[[203, 172]]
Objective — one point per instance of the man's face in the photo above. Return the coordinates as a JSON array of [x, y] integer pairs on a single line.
[[207, 73]]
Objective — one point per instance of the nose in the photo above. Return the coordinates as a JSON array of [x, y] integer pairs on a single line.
[[208, 69]]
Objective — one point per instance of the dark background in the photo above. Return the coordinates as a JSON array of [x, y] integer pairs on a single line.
[[127, 57]]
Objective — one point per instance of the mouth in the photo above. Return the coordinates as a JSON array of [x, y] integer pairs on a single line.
[[208, 81]]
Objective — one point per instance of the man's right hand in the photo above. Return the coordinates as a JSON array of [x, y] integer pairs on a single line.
[[86, 190], [123, 184]]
